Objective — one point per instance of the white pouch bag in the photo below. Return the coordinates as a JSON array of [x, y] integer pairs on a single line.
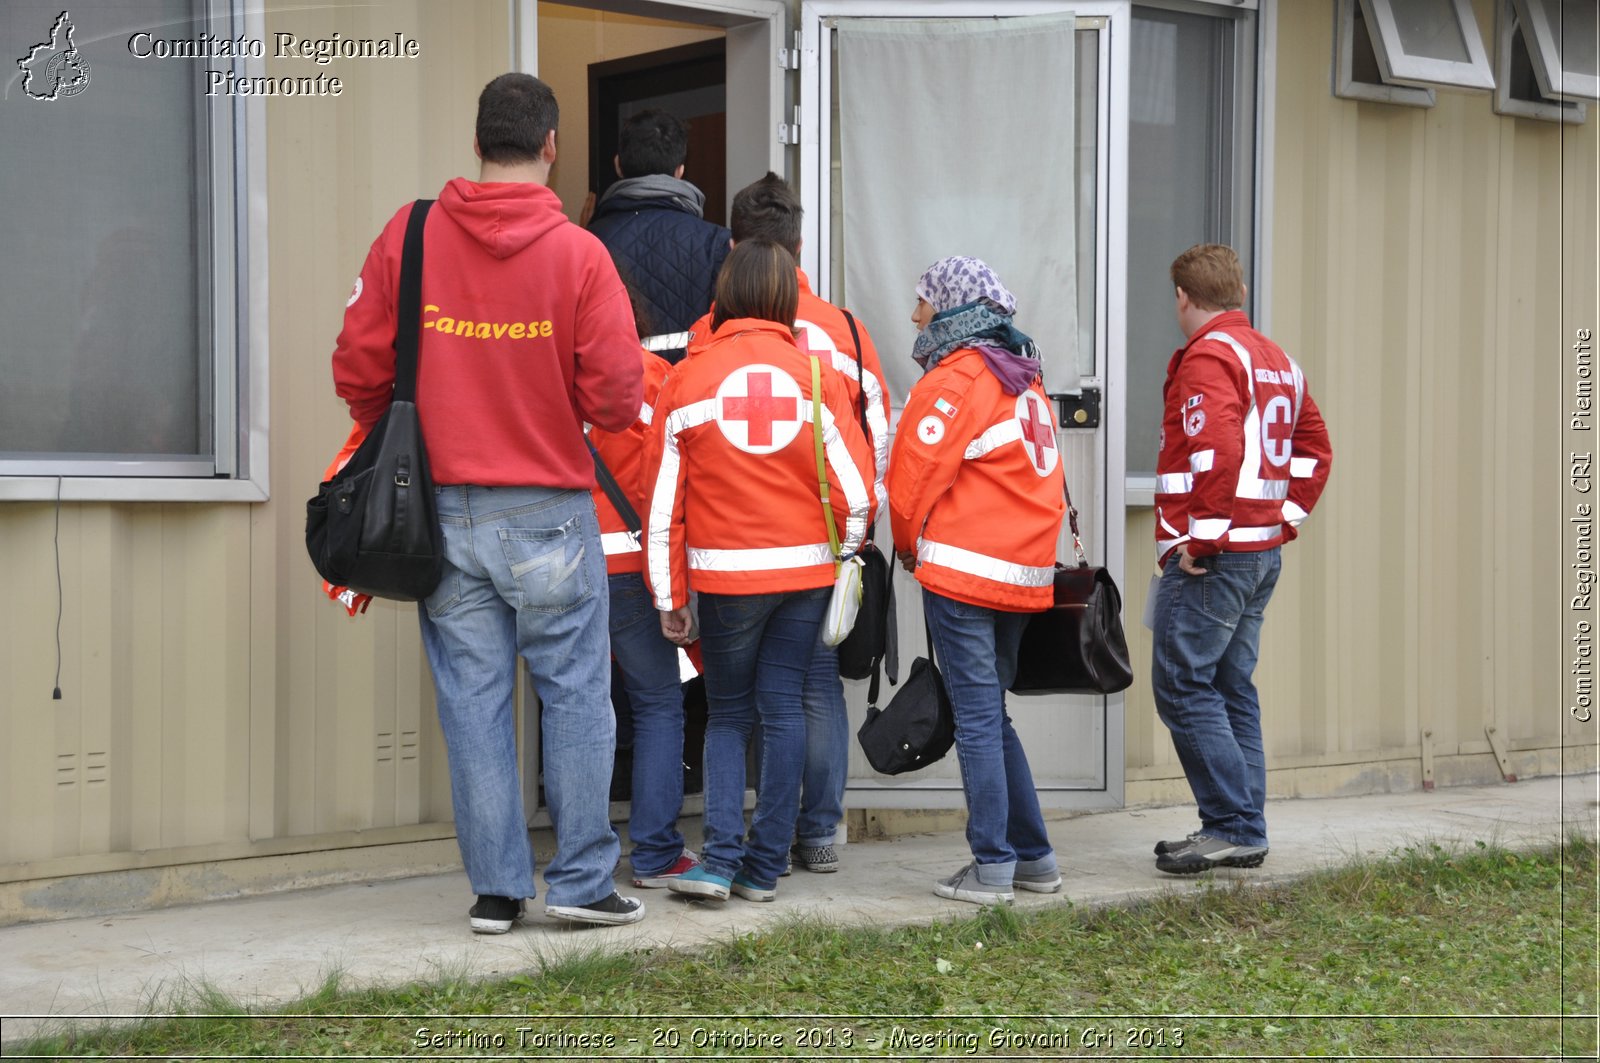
[[844, 604]]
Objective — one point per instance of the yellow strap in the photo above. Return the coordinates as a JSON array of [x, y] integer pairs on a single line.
[[822, 471]]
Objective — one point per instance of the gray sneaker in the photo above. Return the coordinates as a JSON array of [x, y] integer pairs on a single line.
[[1048, 882], [819, 858], [1164, 847], [1205, 852], [965, 886]]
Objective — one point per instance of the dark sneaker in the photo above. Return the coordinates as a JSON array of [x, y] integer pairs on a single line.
[[698, 882], [747, 889], [608, 911], [1164, 847], [494, 915], [687, 861], [1204, 852], [818, 858], [964, 886], [1048, 882]]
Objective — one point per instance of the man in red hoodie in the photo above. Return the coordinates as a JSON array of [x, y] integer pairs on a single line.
[[527, 333]]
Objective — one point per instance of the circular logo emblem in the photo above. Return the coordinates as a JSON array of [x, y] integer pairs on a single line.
[[1038, 433], [1277, 430], [67, 74], [930, 429], [758, 408], [1194, 422], [355, 293]]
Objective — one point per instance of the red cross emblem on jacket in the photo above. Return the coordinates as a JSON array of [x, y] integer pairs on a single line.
[[758, 408]]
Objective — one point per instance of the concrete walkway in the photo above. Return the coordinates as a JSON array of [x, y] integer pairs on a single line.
[[272, 950]]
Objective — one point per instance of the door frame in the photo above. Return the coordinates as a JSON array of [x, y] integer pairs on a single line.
[[754, 34]]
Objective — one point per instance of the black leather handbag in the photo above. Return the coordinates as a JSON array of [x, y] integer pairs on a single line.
[[916, 728], [1077, 646], [374, 527]]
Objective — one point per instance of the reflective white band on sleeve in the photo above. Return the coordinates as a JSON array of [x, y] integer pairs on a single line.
[[1294, 514], [760, 559], [976, 564], [877, 415], [1271, 490], [663, 500], [620, 543], [666, 341], [856, 497], [1175, 483], [1209, 529], [645, 413], [1302, 467], [1166, 546], [1254, 535], [1201, 460], [994, 436]]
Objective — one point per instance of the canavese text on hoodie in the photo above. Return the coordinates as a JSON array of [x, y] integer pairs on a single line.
[[527, 333]]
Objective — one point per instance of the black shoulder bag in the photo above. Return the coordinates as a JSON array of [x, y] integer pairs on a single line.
[[1076, 646], [871, 644], [917, 727], [374, 527]]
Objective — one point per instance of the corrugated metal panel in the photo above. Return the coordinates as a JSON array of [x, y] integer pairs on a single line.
[[1421, 259]]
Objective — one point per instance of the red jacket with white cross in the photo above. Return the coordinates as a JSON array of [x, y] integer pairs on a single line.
[[1244, 450]]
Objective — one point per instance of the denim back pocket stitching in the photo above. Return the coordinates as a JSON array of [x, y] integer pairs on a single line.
[[439, 603], [563, 573], [1234, 597]]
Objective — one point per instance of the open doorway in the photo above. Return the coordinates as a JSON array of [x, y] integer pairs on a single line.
[[687, 82]]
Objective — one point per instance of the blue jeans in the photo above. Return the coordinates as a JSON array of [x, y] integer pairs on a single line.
[[649, 665], [827, 749], [757, 649], [976, 650], [524, 574], [1207, 634]]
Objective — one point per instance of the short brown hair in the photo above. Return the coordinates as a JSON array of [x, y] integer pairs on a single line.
[[757, 280], [516, 113], [1212, 276], [768, 209]]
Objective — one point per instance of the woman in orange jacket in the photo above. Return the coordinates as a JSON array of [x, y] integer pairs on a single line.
[[736, 514], [975, 504]]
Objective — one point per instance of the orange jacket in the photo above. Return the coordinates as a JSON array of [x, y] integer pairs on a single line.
[[975, 487], [825, 332], [623, 453], [735, 506]]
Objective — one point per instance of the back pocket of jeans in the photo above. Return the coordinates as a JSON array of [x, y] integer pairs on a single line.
[[547, 565]]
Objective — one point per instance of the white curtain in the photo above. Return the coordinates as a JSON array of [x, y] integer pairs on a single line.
[[956, 138]]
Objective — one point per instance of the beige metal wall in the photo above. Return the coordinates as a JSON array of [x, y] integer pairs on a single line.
[[1428, 268], [215, 705]]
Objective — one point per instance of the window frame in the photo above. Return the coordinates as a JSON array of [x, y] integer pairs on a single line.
[[1507, 20], [1544, 47], [232, 148], [1402, 68], [1345, 85]]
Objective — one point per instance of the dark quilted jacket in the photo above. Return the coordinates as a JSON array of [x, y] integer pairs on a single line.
[[664, 250]]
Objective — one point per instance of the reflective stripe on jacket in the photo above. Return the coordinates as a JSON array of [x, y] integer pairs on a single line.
[[623, 453], [734, 501], [975, 487]]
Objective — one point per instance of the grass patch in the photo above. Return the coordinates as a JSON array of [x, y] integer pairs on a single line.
[[1431, 952]]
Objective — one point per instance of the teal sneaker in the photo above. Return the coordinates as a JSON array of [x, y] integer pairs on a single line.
[[746, 888], [698, 882]]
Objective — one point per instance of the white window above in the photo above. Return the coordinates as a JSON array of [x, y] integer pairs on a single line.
[[1518, 90], [1560, 38], [1356, 74], [1427, 42]]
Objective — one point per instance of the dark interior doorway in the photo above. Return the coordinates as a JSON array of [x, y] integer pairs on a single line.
[[689, 83]]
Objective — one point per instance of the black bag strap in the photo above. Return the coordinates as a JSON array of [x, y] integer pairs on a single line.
[[861, 373], [890, 660], [613, 490], [1072, 519], [408, 325]]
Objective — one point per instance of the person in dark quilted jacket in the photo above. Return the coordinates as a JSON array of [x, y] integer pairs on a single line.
[[652, 223]]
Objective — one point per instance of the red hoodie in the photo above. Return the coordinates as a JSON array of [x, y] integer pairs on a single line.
[[527, 332]]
